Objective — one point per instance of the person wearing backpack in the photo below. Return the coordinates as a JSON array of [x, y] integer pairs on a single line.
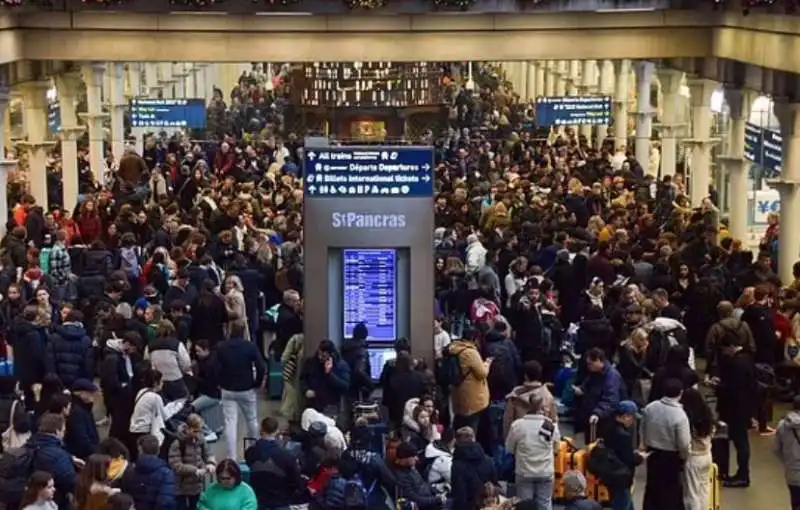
[[274, 472], [151, 481], [618, 438], [468, 381], [44, 451], [188, 457], [471, 470], [727, 326]]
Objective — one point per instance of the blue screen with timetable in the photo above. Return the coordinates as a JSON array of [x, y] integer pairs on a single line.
[[370, 292], [160, 113]]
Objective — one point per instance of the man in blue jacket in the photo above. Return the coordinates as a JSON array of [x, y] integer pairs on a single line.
[[69, 352], [151, 481], [600, 392], [240, 369], [82, 438], [274, 472], [325, 377], [51, 456]]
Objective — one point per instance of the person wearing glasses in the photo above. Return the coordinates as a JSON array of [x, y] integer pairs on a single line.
[[229, 491]]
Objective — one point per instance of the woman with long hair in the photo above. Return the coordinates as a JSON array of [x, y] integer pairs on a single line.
[[235, 304], [39, 492], [696, 473], [93, 489], [633, 366]]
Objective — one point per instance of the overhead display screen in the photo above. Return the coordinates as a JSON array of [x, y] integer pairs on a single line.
[[159, 113], [764, 147], [370, 293], [574, 110]]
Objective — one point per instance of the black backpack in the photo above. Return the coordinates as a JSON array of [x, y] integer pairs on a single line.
[[16, 465], [450, 372], [355, 494]]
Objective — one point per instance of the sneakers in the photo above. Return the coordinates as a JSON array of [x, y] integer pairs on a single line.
[[736, 483]]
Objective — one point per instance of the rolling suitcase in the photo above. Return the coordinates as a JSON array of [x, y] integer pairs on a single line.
[[275, 379], [715, 494], [721, 449], [580, 459], [564, 461], [247, 442]]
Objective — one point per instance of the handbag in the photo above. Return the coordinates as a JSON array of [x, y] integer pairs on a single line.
[[607, 466], [11, 439], [641, 391]]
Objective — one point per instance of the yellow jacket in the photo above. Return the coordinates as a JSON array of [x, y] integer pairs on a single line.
[[472, 395]]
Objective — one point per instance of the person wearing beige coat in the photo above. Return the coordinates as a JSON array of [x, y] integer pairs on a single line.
[[471, 397]]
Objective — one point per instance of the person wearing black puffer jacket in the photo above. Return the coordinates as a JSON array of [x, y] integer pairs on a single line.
[[472, 469], [28, 341], [69, 353], [354, 353], [506, 371]]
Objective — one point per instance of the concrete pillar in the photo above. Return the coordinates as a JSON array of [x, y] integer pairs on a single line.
[[34, 102], [116, 108], [6, 165], [522, 79], [166, 80], [531, 90], [740, 102], [551, 78], [154, 88], [644, 113], [541, 78], [605, 86], [134, 80], [701, 141], [180, 74], [587, 83], [562, 73], [68, 86], [788, 186], [203, 88], [94, 117], [670, 81], [573, 79], [191, 81], [622, 71]]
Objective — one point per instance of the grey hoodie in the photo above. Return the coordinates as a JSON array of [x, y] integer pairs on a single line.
[[787, 446]]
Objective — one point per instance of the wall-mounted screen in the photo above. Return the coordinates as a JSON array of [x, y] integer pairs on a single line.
[[378, 356], [370, 292]]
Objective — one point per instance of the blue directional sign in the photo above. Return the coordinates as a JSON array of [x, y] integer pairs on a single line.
[[764, 147], [54, 117], [574, 110], [377, 171], [159, 113]]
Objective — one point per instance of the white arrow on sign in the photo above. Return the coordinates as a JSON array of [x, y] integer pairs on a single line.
[[312, 189], [426, 167], [312, 155], [426, 178]]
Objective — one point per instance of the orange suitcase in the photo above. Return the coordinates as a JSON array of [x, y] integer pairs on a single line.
[[563, 462]]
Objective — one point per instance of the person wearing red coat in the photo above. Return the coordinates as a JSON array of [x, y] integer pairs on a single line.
[[225, 160]]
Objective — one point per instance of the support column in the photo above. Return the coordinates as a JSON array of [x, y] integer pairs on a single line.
[[68, 86], [644, 113], [541, 78], [180, 74], [740, 103], [574, 77], [622, 71], [34, 102], [587, 82], [551, 78], [605, 85], [531, 91], [191, 81], [670, 127], [116, 108], [562, 74], [701, 141], [94, 118], [522, 78], [166, 80], [134, 88], [203, 88], [788, 186], [6, 165], [154, 89]]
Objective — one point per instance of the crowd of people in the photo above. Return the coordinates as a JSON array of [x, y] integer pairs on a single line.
[[573, 290]]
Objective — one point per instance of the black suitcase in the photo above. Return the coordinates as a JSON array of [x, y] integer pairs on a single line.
[[721, 449]]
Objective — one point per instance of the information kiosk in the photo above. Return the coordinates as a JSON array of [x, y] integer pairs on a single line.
[[368, 242]]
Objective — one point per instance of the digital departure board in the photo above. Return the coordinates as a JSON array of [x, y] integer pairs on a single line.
[[764, 147], [574, 110], [370, 293], [160, 113]]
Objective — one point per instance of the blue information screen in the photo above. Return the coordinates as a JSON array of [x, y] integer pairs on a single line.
[[764, 147], [159, 113], [574, 110], [54, 117], [353, 172], [370, 293]]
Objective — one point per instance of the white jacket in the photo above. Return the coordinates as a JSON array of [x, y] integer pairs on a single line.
[[408, 420], [533, 439], [334, 437], [440, 467], [476, 255], [148, 414]]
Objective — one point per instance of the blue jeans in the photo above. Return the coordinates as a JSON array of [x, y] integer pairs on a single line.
[[232, 402], [622, 499], [540, 490]]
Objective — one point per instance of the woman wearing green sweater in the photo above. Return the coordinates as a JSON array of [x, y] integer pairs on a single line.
[[229, 492]]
